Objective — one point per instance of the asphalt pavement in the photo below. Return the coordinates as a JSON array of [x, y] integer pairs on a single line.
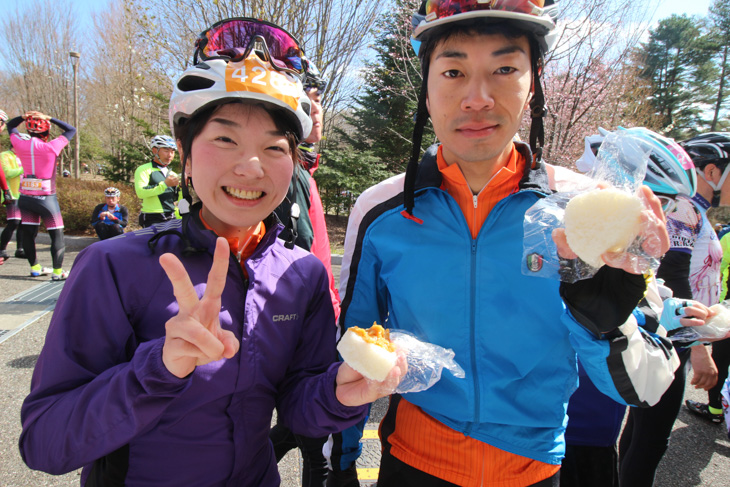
[[699, 453]]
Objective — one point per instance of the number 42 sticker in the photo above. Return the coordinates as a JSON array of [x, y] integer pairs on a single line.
[[258, 75], [251, 75]]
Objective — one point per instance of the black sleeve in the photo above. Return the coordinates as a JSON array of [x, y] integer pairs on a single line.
[[95, 214], [13, 125], [605, 301], [674, 270], [68, 130]]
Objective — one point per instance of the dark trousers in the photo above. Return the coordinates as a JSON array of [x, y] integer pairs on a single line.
[[314, 465], [721, 356], [58, 246], [149, 219], [594, 466], [394, 473], [104, 231], [10, 227], [645, 438]]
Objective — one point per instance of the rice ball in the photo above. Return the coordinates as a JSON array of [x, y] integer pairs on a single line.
[[600, 221], [368, 351]]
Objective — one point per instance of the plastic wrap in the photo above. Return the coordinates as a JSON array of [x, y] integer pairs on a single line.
[[715, 327], [620, 165], [426, 362]]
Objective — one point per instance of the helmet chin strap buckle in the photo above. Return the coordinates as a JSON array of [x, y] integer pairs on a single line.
[[183, 206]]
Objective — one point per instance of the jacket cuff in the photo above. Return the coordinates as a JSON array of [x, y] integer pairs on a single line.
[[151, 372]]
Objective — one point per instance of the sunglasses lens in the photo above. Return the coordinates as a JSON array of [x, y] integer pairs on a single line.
[[239, 34]]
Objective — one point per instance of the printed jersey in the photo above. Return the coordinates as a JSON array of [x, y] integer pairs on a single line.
[[691, 232], [39, 163]]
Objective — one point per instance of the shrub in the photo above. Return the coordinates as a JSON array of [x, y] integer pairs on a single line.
[[78, 197]]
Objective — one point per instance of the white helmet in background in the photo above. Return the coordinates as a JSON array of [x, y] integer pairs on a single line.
[[163, 142]]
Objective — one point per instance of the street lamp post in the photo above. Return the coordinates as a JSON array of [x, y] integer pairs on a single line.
[[75, 57]]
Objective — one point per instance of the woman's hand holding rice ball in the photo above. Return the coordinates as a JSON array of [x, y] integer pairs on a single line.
[[600, 224]]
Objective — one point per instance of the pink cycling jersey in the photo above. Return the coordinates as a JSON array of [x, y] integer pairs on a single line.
[[39, 163]]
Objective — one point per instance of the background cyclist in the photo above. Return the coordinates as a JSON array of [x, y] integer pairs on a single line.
[[38, 199], [11, 170], [109, 219], [156, 184]]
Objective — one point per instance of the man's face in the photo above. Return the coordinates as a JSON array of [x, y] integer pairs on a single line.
[[317, 116], [111, 201], [715, 174], [163, 155], [478, 89]]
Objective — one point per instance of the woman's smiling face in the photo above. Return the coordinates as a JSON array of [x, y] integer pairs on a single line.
[[241, 167]]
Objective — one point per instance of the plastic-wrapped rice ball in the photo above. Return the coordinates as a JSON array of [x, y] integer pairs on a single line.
[[600, 221], [369, 352], [719, 324]]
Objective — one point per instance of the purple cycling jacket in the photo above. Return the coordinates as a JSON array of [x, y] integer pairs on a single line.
[[101, 397]]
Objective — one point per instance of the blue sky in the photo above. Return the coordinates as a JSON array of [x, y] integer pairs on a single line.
[[689, 7], [665, 9]]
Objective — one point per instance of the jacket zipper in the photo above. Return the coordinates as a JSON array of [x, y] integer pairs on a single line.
[[473, 336]]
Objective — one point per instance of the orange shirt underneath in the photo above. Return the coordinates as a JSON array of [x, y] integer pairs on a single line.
[[429, 445], [243, 250], [476, 208]]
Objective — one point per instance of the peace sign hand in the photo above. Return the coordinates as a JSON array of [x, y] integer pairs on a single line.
[[195, 337]]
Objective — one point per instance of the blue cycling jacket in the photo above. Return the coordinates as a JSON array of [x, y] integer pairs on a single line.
[[509, 329]]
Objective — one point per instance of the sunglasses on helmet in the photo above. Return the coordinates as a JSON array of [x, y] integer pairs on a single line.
[[439, 9], [235, 39]]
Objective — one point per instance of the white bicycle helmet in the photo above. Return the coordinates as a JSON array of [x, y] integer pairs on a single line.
[[112, 192], [531, 15], [217, 81], [163, 142]]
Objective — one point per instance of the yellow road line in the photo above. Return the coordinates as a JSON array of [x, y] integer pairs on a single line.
[[370, 435], [367, 473]]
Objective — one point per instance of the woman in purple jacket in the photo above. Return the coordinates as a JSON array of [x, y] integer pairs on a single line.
[[177, 384]]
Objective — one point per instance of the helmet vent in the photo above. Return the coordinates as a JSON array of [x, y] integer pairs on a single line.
[[194, 83]]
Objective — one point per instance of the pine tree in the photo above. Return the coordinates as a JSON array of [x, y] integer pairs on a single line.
[[382, 120], [720, 34], [674, 60]]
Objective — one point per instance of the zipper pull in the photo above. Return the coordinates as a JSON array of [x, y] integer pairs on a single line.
[[475, 198]]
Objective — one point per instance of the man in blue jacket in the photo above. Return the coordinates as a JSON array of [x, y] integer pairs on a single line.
[[109, 219], [438, 252]]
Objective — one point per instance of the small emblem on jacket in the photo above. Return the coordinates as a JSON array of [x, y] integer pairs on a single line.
[[291, 317], [534, 262]]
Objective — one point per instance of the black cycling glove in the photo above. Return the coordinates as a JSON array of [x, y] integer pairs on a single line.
[[605, 301]]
